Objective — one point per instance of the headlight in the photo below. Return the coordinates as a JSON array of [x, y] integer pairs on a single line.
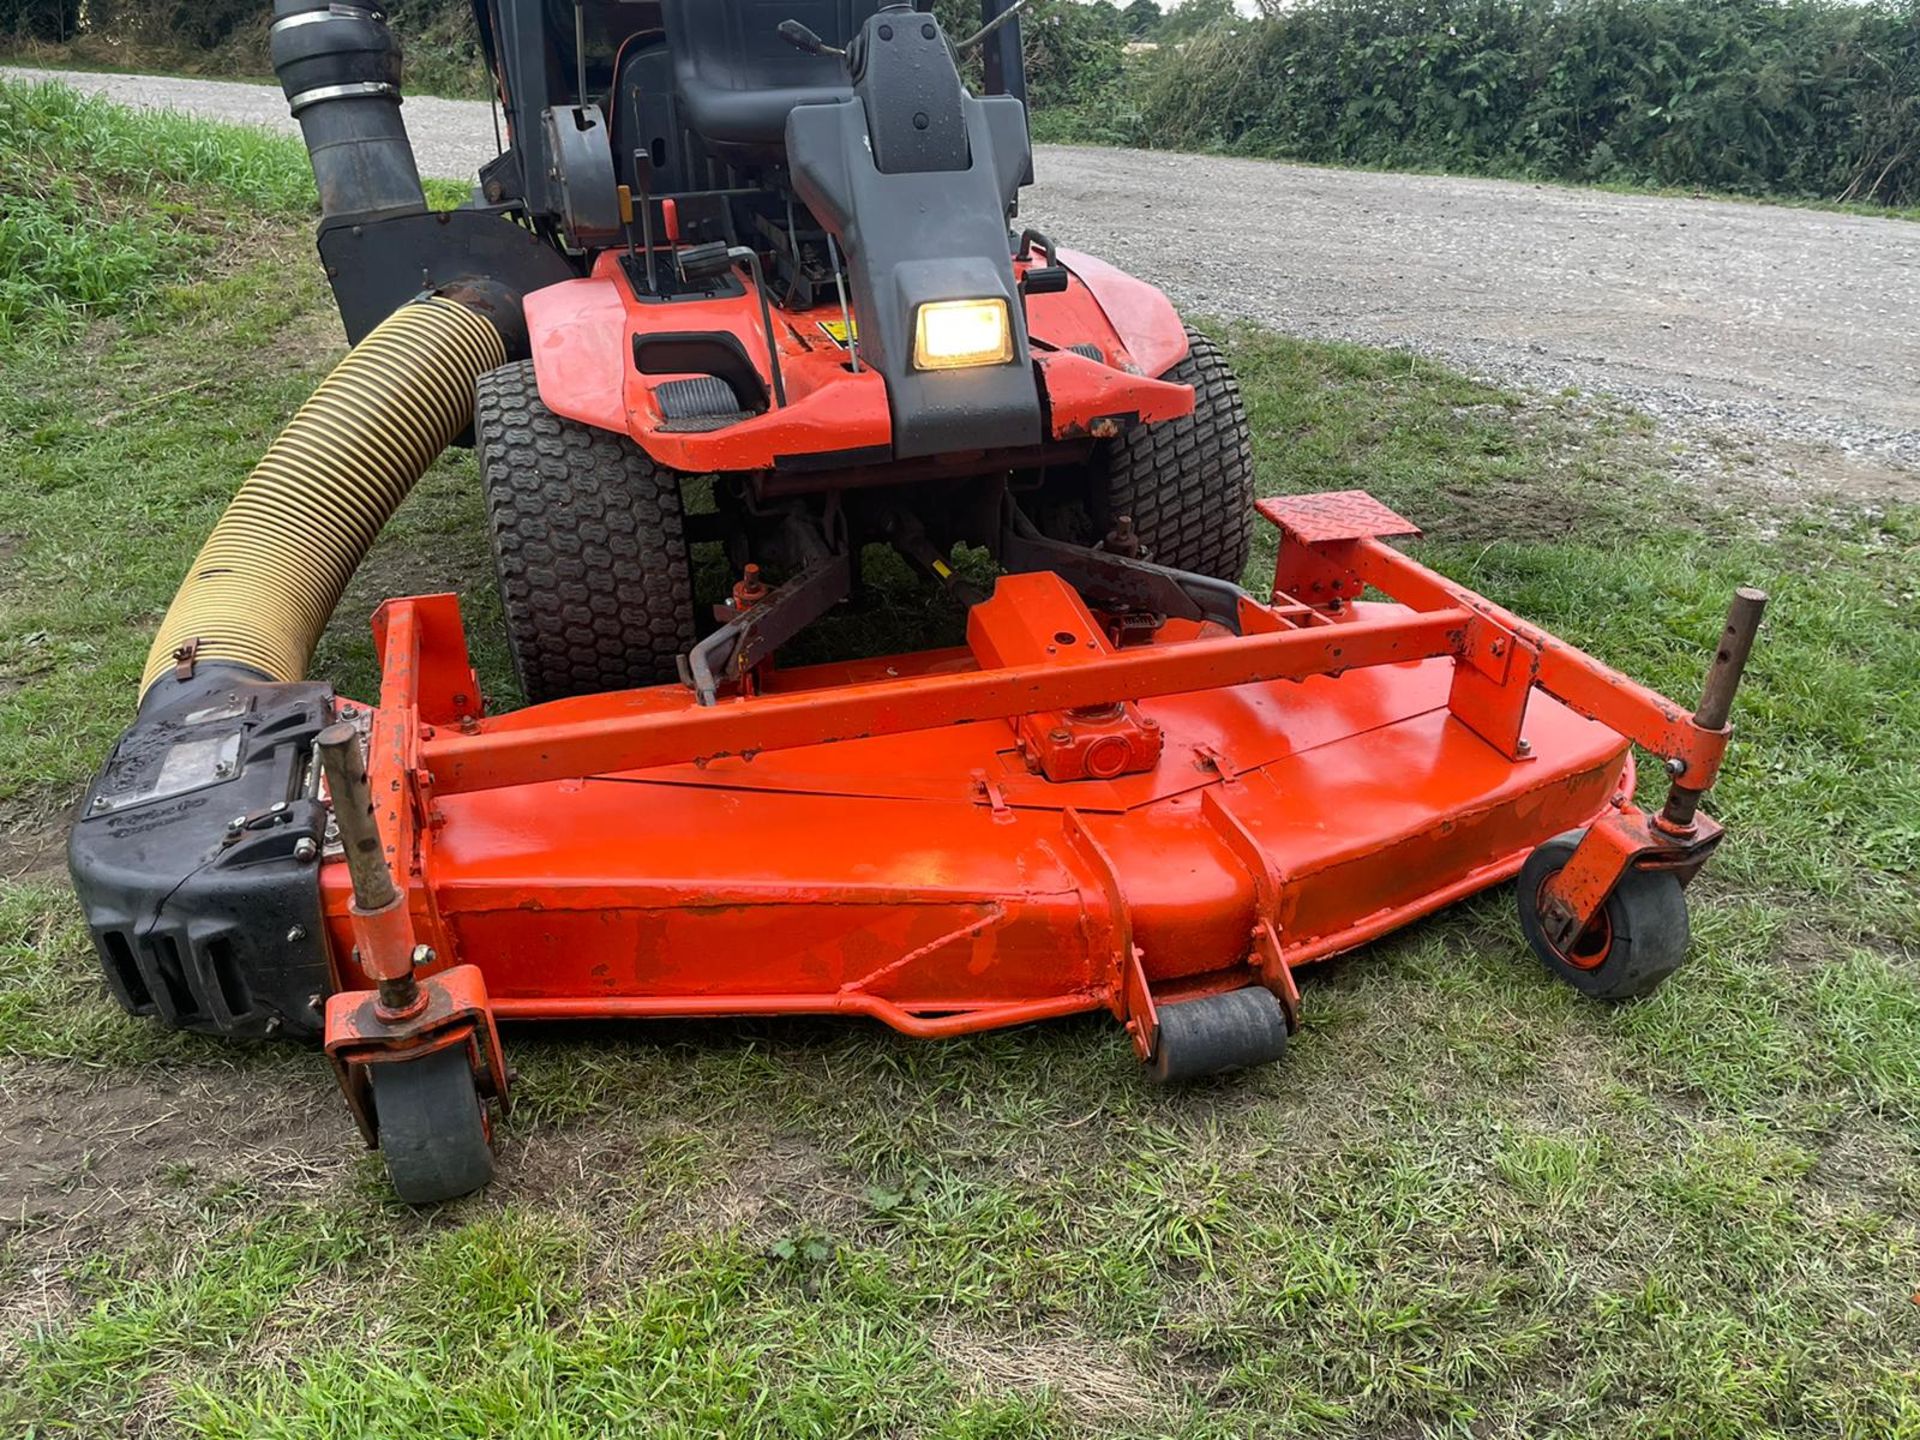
[[950, 334]]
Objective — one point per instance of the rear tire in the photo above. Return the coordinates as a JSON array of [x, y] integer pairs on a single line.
[[432, 1126], [589, 546], [1187, 483]]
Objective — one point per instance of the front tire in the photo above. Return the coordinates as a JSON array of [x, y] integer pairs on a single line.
[[1187, 483], [589, 546]]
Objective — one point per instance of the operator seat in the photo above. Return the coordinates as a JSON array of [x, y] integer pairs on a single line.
[[737, 79]]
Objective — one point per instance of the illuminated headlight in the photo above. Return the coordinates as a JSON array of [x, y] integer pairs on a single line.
[[950, 334]]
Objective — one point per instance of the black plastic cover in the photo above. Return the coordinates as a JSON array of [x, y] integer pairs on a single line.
[[905, 76], [197, 857], [582, 151], [919, 236]]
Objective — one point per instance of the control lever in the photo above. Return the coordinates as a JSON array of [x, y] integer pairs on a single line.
[[716, 257], [973, 40], [805, 41]]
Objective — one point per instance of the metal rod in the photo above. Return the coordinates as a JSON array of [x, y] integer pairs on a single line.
[[580, 49], [1716, 696], [793, 245], [846, 315], [382, 929], [992, 25], [644, 740], [345, 761], [646, 233], [1736, 644], [748, 254]]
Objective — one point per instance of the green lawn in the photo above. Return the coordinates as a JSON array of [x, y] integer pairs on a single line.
[[1468, 1203]]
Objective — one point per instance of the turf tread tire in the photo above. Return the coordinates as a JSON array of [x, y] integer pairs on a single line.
[[1188, 483], [589, 546]]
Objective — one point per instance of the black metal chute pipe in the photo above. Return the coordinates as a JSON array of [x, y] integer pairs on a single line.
[[339, 68]]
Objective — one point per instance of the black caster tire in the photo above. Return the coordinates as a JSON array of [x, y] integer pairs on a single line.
[[432, 1126], [1638, 940], [1218, 1033]]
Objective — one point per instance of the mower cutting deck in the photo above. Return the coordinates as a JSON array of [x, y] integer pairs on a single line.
[[1053, 820]]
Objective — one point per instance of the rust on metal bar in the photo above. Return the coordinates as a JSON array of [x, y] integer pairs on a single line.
[[1716, 702], [383, 930], [345, 763]]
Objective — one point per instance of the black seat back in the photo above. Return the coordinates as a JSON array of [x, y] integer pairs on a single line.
[[737, 80]]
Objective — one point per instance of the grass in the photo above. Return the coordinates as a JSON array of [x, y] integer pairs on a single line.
[[106, 207], [1469, 1203]]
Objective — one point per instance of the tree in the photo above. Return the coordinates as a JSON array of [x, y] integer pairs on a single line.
[[1190, 17], [51, 20], [1142, 19]]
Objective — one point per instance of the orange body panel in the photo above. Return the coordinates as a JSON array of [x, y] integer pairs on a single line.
[[582, 335]]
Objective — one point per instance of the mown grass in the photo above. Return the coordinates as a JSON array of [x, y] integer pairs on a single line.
[[1468, 1203], [106, 208]]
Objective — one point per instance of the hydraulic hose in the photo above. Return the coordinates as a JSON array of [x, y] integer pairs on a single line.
[[267, 580]]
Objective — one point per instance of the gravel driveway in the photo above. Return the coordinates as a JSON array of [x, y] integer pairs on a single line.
[[1775, 323]]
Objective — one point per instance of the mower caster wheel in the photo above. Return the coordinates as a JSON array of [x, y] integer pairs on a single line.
[[432, 1126], [1217, 1033], [1638, 940]]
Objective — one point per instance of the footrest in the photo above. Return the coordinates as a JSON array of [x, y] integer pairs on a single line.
[[1317, 537], [702, 402], [1335, 515]]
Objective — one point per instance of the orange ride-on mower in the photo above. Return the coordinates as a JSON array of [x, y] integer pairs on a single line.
[[774, 246]]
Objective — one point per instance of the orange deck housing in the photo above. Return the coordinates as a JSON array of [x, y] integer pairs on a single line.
[[880, 837]]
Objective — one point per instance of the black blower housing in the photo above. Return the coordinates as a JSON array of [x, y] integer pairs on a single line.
[[197, 857]]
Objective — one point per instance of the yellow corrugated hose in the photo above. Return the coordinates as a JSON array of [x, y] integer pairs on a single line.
[[267, 580]]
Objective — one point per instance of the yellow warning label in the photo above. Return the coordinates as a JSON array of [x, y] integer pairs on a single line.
[[838, 330]]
